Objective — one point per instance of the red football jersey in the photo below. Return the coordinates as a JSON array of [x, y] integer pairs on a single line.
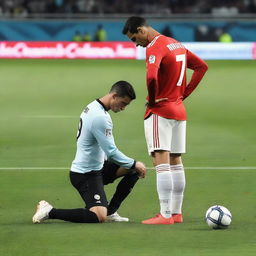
[[167, 61]]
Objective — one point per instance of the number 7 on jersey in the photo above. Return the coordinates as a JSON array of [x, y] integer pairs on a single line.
[[182, 58]]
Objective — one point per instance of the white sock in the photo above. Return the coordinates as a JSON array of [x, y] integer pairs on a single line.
[[164, 187], [178, 187]]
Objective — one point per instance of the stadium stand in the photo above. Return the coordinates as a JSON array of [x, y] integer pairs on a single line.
[[25, 8]]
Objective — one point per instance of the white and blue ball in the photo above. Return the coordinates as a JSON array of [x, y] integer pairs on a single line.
[[218, 217]]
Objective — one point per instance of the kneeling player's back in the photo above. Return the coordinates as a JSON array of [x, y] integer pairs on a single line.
[[89, 154]]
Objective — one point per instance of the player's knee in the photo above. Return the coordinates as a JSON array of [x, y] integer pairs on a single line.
[[175, 155], [102, 217], [175, 159], [132, 177], [101, 212], [160, 157]]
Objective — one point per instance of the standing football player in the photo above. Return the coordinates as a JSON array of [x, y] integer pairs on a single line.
[[89, 172], [165, 117]]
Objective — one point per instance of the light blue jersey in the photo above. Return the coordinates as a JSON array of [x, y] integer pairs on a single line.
[[95, 141]]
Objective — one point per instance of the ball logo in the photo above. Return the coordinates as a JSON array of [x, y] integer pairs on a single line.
[[152, 59], [218, 217], [97, 197]]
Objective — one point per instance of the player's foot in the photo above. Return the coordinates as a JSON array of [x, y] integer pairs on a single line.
[[159, 219], [115, 217], [178, 218], [42, 212]]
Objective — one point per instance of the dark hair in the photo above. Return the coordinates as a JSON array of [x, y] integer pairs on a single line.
[[122, 89], [133, 23]]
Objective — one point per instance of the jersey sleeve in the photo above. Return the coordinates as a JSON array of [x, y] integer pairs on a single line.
[[102, 131], [153, 60], [199, 67]]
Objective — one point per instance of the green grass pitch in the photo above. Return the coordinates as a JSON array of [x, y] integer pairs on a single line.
[[40, 104]]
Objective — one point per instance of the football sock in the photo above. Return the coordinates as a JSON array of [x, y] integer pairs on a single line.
[[178, 186], [164, 186], [123, 189], [80, 215]]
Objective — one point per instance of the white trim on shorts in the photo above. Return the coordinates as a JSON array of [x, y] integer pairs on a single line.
[[165, 134]]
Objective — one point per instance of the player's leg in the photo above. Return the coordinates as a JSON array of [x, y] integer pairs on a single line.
[[158, 142], [90, 187], [177, 169], [111, 172], [80, 215]]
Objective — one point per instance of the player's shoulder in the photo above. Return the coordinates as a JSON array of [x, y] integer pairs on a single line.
[[167, 39], [101, 121], [94, 110], [164, 43], [96, 107], [160, 40], [174, 46]]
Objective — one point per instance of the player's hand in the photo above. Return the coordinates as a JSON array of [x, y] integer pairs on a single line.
[[140, 169]]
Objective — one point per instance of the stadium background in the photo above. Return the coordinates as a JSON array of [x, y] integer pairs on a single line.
[[41, 100]]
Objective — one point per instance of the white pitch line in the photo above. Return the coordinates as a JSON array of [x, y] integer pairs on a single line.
[[149, 167], [34, 168], [223, 168], [49, 116]]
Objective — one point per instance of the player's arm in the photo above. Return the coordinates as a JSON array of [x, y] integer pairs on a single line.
[[152, 84], [153, 60], [102, 130], [200, 67], [152, 72]]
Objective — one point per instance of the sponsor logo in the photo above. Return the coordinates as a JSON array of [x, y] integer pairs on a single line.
[[68, 50], [86, 110], [108, 132], [152, 59], [97, 197], [254, 51]]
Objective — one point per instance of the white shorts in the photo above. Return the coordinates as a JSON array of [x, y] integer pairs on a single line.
[[165, 134]]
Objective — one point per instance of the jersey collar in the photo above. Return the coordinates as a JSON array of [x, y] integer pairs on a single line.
[[102, 105], [154, 40]]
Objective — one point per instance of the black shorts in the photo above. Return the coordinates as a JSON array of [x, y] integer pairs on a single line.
[[91, 185], [109, 172]]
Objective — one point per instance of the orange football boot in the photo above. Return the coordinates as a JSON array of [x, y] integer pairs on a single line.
[[158, 220], [178, 218]]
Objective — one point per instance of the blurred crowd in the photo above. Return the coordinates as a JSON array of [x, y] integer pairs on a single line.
[[214, 7]]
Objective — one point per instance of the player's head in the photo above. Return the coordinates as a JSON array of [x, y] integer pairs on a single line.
[[122, 93], [136, 29], [133, 23], [122, 89]]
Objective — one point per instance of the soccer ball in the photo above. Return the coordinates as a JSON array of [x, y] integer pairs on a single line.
[[218, 217]]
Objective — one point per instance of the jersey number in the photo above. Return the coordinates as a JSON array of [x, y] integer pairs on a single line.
[[181, 58], [79, 128]]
